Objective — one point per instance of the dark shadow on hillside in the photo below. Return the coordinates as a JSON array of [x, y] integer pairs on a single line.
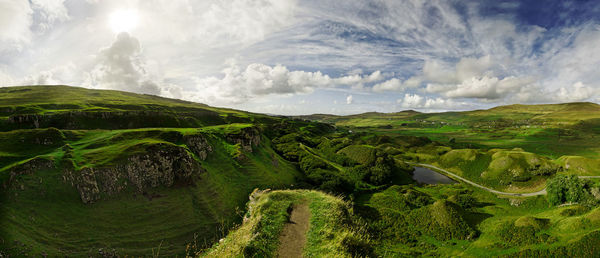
[[474, 218], [482, 204]]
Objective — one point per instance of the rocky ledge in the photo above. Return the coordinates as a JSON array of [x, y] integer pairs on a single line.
[[246, 138], [161, 165]]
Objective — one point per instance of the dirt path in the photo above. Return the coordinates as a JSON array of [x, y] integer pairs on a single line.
[[293, 236]]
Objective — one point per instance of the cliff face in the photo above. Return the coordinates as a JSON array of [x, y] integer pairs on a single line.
[[160, 165], [198, 145], [246, 138], [75, 120]]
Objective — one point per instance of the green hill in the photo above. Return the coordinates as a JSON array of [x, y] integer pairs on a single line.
[[90, 171], [105, 173], [534, 128]]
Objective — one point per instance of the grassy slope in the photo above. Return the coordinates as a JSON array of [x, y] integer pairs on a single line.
[[535, 128], [331, 233], [551, 227], [44, 214], [47, 213]]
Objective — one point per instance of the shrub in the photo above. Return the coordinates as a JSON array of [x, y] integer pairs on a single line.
[[567, 188]]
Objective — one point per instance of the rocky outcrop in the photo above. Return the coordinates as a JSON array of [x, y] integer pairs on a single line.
[[161, 165], [246, 138], [29, 167], [198, 145]]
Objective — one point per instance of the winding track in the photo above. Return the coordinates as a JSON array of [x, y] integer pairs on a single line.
[[541, 192], [455, 176]]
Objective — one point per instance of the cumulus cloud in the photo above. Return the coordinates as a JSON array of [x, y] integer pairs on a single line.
[[415, 101], [349, 99], [395, 84], [465, 69], [120, 66], [472, 78], [485, 87], [358, 80], [577, 92], [239, 85]]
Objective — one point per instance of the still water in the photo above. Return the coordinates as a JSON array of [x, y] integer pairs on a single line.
[[428, 176]]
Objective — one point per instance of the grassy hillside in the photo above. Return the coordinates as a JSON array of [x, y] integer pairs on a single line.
[[65, 107], [50, 206], [534, 128], [103, 173]]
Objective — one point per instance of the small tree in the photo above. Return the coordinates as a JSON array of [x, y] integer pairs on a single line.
[[566, 188]]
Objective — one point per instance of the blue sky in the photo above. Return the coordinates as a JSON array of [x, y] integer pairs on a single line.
[[301, 57]]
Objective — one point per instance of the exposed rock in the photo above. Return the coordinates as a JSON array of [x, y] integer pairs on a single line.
[[28, 168], [160, 165], [112, 119], [198, 145], [246, 138]]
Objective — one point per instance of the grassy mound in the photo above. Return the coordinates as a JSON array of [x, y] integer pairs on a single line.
[[536, 223], [331, 234], [580, 165], [518, 165], [406, 220], [362, 154], [442, 220]]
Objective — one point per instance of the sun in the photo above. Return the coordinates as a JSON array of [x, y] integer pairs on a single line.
[[123, 20]]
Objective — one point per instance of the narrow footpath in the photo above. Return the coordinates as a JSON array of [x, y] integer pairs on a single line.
[[293, 236]]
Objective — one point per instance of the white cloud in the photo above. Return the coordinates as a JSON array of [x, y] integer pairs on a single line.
[[487, 87], [240, 85], [472, 78], [395, 84], [15, 19], [465, 69], [390, 85], [416, 101], [577, 92], [120, 66], [51, 11], [349, 99], [5, 79]]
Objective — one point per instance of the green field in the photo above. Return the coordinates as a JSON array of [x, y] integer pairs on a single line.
[[102, 173]]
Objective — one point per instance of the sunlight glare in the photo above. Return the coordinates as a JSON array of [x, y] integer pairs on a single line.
[[123, 20]]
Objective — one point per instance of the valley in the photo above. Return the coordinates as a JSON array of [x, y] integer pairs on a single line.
[[107, 173]]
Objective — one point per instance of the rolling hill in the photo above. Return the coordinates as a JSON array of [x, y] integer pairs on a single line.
[[106, 173], [85, 171]]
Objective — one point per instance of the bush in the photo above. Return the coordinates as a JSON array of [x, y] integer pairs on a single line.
[[567, 189]]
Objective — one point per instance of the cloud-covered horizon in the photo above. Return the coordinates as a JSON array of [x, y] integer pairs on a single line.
[[302, 57]]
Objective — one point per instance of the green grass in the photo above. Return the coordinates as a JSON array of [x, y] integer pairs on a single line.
[[331, 231], [549, 130], [359, 153], [48, 214], [512, 148]]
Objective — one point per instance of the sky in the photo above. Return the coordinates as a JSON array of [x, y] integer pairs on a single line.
[[295, 57]]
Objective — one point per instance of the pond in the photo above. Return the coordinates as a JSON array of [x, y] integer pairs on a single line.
[[428, 176]]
